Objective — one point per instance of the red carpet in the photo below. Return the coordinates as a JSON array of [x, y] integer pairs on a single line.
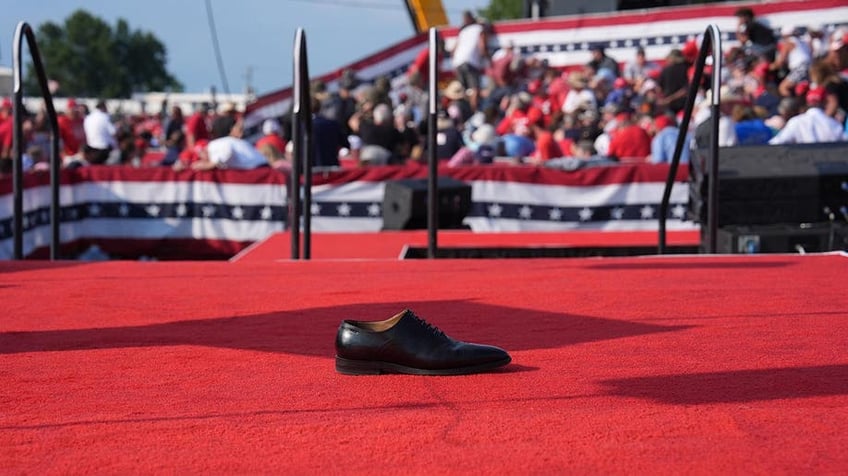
[[673, 365]]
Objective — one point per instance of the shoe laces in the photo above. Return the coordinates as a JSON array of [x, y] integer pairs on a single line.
[[430, 327]]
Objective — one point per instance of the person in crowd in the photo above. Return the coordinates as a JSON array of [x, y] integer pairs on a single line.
[[328, 138], [195, 126], [224, 121], [835, 89], [380, 139], [546, 146], [837, 54], [230, 152], [788, 108], [100, 135], [341, 105], [174, 145], [458, 103], [812, 126], [65, 121], [673, 81], [629, 142], [762, 40], [751, 128], [639, 69], [580, 96], [174, 122], [448, 137], [728, 99], [518, 113], [409, 145], [480, 148], [470, 55], [271, 145], [793, 57], [664, 142], [601, 61], [6, 135]]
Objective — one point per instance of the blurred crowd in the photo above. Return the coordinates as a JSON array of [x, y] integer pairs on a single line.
[[778, 87]]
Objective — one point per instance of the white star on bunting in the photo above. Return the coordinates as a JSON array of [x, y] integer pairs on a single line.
[[374, 210], [679, 211], [94, 210], [153, 210], [208, 211], [315, 209], [343, 209], [266, 213], [182, 210], [617, 213], [525, 212], [647, 212], [238, 213], [124, 210], [495, 210], [585, 214], [555, 214]]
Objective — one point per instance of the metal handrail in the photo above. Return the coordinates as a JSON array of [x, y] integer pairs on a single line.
[[24, 30], [432, 159], [710, 43], [302, 151]]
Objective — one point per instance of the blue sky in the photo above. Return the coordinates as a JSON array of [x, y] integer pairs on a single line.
[[255, 35]]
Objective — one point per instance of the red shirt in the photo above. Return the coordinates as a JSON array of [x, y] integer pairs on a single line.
[[272, 140], [70, 143], [546, 147], [196, 127], [6, 136], [630, 142], [516, 118]]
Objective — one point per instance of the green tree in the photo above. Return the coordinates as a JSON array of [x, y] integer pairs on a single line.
[[503, 10], [89, 58]]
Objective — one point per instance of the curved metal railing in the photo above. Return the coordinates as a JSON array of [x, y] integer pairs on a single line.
[[302, 152], [25, 31], [710, 44]]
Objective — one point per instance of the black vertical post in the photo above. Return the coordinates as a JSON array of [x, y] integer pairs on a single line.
[[433, 169], [306, 117], [297, 149]]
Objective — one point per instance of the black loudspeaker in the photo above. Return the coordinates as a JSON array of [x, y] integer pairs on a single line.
[[806, 238], [766, 185], [405, 204]]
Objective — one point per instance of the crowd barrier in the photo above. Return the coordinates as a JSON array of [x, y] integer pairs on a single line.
[[157, 212]]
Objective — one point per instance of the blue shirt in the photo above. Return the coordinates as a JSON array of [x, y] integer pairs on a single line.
[[752, 132], [662, 146]]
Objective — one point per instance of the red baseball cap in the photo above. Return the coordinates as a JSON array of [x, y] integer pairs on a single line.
[[662, 121], [815, 95]]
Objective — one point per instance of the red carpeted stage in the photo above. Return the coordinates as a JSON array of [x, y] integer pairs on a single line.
[[686, 364], [401, 244]]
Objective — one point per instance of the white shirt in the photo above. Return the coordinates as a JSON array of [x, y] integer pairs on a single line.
[[99, 131], [234, 153], [467, 50], [799, 56], [813, 126], [575, 99]]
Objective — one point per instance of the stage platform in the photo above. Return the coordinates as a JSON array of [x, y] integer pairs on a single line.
[[637, 365], [466, 244]]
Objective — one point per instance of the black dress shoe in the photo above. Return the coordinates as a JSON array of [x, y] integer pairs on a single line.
[[407, 344]]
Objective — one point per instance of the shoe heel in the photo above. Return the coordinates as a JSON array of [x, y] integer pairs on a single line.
[[357, 367]]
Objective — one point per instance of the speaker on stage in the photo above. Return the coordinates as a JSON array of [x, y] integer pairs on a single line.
[[405, 204]]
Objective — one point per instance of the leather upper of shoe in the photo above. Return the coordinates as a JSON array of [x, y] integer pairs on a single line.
[[408, 340]]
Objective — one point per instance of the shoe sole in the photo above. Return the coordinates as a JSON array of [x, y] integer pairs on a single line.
[[373, 367]]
